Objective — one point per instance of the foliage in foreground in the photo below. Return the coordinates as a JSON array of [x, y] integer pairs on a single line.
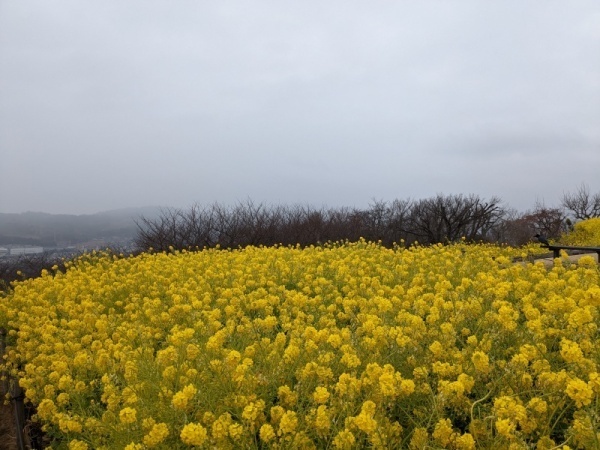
[[343, 346]]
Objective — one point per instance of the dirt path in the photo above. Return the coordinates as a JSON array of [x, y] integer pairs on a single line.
[[549, 262]]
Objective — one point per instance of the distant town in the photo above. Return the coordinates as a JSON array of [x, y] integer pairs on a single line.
[[17, 250], [57, 235]]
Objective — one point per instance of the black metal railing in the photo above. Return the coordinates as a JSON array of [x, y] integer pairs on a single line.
[[557, 248]]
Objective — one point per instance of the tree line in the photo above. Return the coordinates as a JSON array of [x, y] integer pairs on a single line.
[[441, 218]]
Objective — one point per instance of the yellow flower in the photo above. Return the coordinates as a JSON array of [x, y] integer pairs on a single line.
[[46, 409], [538, 405], [156, 435], [505, 427], [267, 433], [465, 442], [220, 427], [76, 444], [193, 434], [277, 413], [288, 422], [443, 432], [287, 396], [344, 440], [579, 391], [436, 348], [322, 420], [364, 421], [419, 439], [481, 361], [570, 351], [321, 395], [235, 431], [253, 410], [182, 398], [350, 360], [134, 446], [128, 415], [63, 399]]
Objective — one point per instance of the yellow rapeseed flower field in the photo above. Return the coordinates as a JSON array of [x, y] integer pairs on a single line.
[[340, 346]]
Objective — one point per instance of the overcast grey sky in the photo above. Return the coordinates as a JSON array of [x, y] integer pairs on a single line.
[[116, 103]]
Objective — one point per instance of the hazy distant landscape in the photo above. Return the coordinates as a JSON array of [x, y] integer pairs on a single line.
[[65, 230]]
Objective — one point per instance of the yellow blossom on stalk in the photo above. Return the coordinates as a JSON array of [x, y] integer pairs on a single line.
[[276, 413], [570, 351], [68, 424], [235, 431], [193, 434], [465, 442], [436, 348], [182, 398], [46, 409], [579, 391], [443, 432], [407, 387], [220, 427], [288, 423], [481, 361], [134, 446], [129, 395], [267, 433], [321, 395], [156, 435], [128, 415], [291, 353], [387, 384], [253, 412], [419, 439], [287, 396], [192, 351], [364, 421], [505, 427], [76, 444], [585, 434], [594, 382], [538, 405], [350, 360], [335, 340], [344, 440], [63, 399], [322, 420]]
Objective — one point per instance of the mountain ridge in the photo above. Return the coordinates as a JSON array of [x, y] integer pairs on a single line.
[[50, 230]]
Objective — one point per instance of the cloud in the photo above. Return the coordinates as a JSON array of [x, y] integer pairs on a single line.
[[155, 102]]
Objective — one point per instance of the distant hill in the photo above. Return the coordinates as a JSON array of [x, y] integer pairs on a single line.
[[50, 230]]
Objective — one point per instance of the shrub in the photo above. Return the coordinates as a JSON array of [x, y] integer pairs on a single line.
[[585, 233]]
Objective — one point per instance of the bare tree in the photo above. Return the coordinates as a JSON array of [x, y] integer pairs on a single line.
[[449, 218], [548, 221], [514, 229], [439, 219], [582, 203]]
